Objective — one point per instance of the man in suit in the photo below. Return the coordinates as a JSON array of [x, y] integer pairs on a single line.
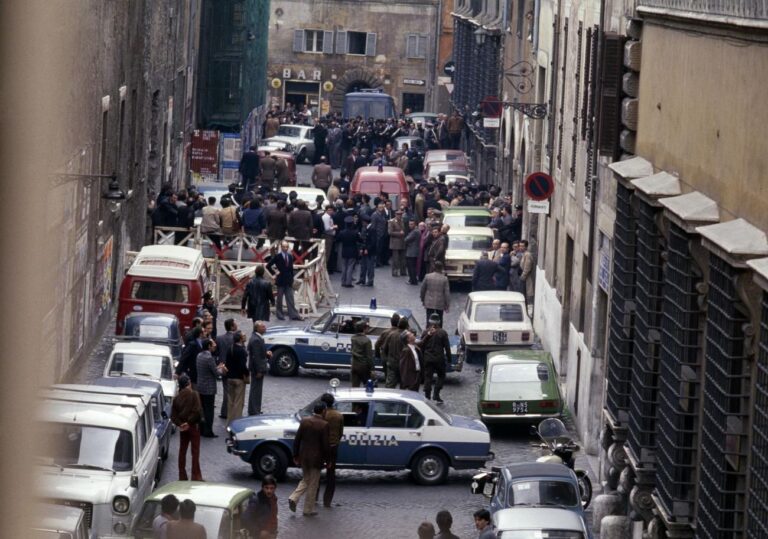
[[362, 356], [188, 361], [257, 297], [310, 451], [436, 293], [224, 344], [186, 414], [258, 357], [322, 175], [412, 246], [437, 355], [250, 168], [335, 432], [368, 252], [526, 270], [484, 273], [207, 373], [437, 248], [301, 225], [349, 239], [396, 230], [277, 221], [268, 171], [411, 363], [283, 262]]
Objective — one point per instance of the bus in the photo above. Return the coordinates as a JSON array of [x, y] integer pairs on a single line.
[[369, 105]]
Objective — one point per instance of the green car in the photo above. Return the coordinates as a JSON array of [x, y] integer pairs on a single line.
[[466, 216], [519, 386], [219, 508]]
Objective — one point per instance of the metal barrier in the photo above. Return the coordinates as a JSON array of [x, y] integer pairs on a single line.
[[234, 259]]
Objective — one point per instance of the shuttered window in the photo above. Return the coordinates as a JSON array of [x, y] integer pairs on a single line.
[[318, 41], [298, 41], [342, 42], [360, 43], [611, 71], [328, 42], [564, 70], [416, 46]]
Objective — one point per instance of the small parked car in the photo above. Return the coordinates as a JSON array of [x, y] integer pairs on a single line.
[[465, 245], [436, 168], [531, 484], [143, 360], [466, 216], [219, 508], [155, 328], [59, 522], [519, 386], [326, 343], [384, 429], [307, 194], [422, 118], [161, 407], [539, 522], [414, 143], [452, 156], [295, 139], [493, 320]]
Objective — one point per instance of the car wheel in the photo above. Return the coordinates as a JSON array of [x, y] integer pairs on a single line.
[[302, 157], [429, 467], [284, 362], [585, 488], [269, 460]]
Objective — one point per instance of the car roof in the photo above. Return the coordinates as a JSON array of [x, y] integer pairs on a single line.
[[296, 125], [514, 355], [470, 230], [536, 469], [523, 518], [150, 387], [466, 210], [153, 319], [354, 393], [209, 494], [365, 310], [167, 261], [56, 517], [495, 296], [142, 348], [112, 415], [368, 173]]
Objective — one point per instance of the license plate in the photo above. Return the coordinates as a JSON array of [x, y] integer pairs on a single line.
[[499, 336], [468, 270], [519, 407]]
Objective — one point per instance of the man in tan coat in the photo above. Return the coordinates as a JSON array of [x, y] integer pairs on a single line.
[[322, 174], [436, 292], [396, 231], [526, 269]]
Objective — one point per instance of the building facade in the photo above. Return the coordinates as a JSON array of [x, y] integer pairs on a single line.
[[321, 50], [126, 110]]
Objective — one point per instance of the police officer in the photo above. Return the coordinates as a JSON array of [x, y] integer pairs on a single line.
[[377, 349], [362, 356], [391, 349], [436, 348]]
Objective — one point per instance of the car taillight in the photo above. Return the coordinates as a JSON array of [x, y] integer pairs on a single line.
[[489, 405], [473, 337], [548, 404], [526, 335]]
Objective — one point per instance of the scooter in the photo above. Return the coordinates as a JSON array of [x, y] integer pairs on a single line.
[[558, 441]]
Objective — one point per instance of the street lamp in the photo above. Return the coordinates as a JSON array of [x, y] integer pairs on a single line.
[[114, 193], [480, 35]]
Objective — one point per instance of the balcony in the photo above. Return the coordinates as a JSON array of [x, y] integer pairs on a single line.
[[723, 10]]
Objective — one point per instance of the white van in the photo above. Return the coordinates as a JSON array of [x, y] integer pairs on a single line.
[[99, 453], [145, 361]]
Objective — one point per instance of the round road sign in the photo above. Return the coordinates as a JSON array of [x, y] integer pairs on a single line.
[[449, 68], [539, 186]]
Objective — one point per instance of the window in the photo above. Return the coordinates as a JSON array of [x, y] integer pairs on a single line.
[[543, 493], [499, 312], [141, 436], [313, 41], [415, 46], [139, 364], [84, 446], [317, 41], [472, 243], [355, 414], [360, 43], [396, 415], [413, 102], [517, 372], [156, 291]]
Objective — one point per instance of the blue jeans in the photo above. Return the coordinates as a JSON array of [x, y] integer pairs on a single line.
[[367, 267]]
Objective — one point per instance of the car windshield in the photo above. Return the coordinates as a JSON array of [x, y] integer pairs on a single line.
[[467, 220], [50, 534], [515, 372], [82, 446], [288, 131], [499, 312], [541, 533], [215, 520], [471, 242], [320, 322], [154, 366], [543, 493]]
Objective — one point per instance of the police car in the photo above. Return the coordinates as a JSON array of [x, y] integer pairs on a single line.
[[327, 342], [384, 429]]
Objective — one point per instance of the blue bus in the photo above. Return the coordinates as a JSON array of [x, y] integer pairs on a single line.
[[371, 104]]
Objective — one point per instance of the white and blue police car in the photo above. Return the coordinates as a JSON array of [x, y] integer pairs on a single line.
[[326, 343], [384, 429]]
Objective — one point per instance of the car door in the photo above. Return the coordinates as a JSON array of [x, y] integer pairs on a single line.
[[396, 432], [353, 449], [324, 344], [499, 499]]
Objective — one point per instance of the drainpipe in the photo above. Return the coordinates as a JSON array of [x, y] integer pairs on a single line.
[[433, 86]]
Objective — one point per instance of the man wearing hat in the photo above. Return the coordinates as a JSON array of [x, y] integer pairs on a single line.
[[396, 231], [362, 356], [436, 347]]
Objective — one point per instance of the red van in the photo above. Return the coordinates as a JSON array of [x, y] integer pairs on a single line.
[[164, 279], [391, 180]]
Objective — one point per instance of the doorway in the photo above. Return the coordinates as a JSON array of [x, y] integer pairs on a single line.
[[414, 102], [299, 93]]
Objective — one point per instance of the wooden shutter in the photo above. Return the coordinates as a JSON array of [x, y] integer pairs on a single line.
[[341, 42], [298, 41], [370, 45], [588, 73], [611, 73], [328, 42], [422, 49], [412, 46]]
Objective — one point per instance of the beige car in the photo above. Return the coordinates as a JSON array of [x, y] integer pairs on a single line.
[[465, 245], [493, 320]]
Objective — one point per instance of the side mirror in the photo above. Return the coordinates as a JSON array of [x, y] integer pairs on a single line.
[[134, 481], [533, 431], [432, 423]]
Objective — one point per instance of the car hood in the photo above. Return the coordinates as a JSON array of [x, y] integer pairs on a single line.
[[284, 331], [290, 140], [464, 422], [78, 485], [462, 254], [264, 422]]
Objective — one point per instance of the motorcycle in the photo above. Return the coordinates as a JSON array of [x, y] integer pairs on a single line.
[[558, 441]]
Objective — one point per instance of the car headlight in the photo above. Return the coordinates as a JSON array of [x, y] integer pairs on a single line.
[[121, 504]]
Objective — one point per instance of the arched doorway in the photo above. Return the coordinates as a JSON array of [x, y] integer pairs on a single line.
[[353, 81], [357, 86]]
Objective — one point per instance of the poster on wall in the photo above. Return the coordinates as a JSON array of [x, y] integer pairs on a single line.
[[103, 286]]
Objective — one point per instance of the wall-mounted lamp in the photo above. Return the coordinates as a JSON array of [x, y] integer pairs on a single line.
[[113, 192], [480, 35]]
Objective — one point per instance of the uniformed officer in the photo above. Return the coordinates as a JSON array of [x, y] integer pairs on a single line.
[[391, 349], [377, 349], [436, 347], [362, 356]]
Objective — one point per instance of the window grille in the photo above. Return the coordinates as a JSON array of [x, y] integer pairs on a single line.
[[757, 526]]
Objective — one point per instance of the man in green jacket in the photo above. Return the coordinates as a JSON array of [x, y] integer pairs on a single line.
[[362, 356]]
